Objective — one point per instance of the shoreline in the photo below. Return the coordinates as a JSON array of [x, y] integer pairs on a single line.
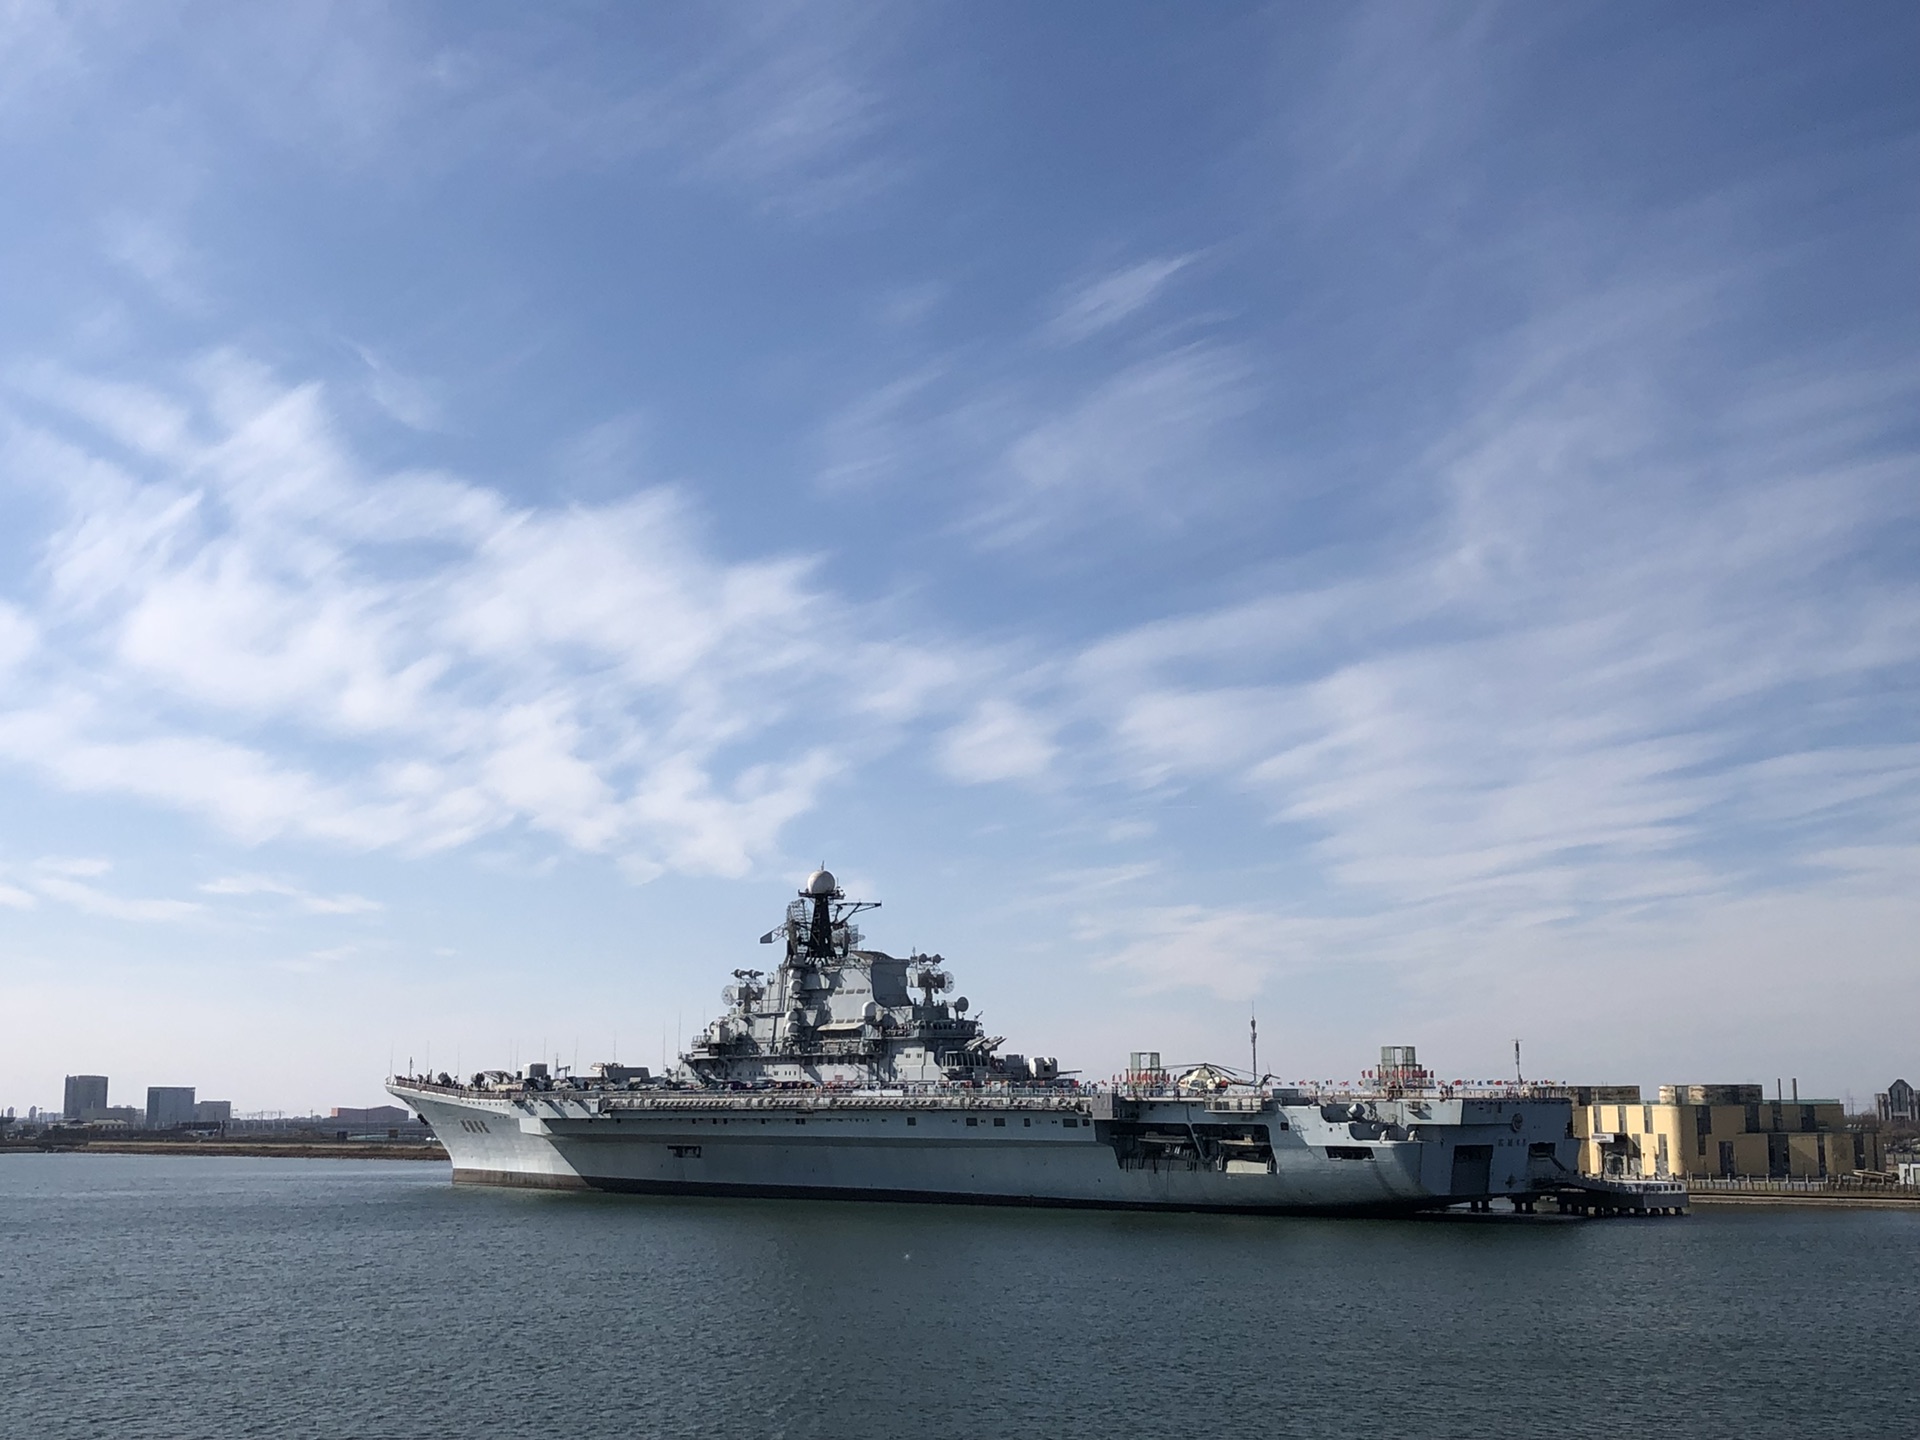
[[289, 1150]]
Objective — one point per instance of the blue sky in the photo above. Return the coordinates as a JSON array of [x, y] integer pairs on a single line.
[[1402, 516]]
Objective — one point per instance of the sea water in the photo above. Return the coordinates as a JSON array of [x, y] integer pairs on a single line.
[[187, 1297]]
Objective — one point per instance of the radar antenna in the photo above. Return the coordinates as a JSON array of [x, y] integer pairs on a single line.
[[817, 925]]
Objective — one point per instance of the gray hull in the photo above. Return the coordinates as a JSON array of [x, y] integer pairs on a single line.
[[1101, 1150]]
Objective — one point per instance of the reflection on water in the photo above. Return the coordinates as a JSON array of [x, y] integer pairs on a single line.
[[170, 1297]]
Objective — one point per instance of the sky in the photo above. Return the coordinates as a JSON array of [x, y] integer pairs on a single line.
[[1399, 520]]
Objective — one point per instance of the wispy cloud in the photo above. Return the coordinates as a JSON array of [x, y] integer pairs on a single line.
[[65, 880], [880, 437], [785, 108], [1145, 446], [586, 672], [406, 398], [1599, 658], [154, 253], [302, 900], [18, 636], [1102, 302], [796, 113], [1232, 951], [998, 741]]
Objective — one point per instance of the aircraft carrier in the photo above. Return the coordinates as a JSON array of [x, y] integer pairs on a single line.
[[844, 1072]]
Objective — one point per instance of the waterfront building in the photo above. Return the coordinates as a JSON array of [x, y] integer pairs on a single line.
[[168, 1106], [84, 1093], [1899, 1105], [372, 1117], [212, 1112], [1586, 1097], [1723, 1131], [127, 1115]]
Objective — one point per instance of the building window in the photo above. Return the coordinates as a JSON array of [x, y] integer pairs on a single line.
[[1622, 1118], [1701, 1141], [973, 1120], [1703, 1120], [1753, 1119], [913, 1119], [1646, 1119], [1660, 1163], [1807, 1118], [1726, 1159], [1000, 1122]]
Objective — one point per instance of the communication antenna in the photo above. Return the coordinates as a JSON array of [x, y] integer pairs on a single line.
[[1517, 1077], [1253, 1039]]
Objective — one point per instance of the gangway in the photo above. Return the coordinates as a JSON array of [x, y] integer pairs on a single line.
[[1619, 1195]]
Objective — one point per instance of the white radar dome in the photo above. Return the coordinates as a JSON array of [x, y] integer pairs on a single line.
[[821, 882]]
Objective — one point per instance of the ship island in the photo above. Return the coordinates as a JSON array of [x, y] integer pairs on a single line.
[[847, 1073]]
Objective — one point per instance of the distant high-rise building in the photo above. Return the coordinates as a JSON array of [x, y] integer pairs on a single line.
[[168, 1106], [220, 1111], [1900, 1103], [84, 1093]]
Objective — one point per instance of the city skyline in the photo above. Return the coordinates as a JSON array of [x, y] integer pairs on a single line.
[[1400, 520]]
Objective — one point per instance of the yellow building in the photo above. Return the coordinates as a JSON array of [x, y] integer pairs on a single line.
[[1592, 1100], [1701, 1131]]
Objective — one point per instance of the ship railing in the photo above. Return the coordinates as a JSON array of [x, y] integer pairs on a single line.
[[611, 1098], [1342, 1092], [813, 1100], [1632, 1184], [415, 1082]]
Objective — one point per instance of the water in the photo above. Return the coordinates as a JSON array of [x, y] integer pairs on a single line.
[[187, 1297]]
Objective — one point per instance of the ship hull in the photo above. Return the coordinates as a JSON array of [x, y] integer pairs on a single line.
[[1080, 1154]]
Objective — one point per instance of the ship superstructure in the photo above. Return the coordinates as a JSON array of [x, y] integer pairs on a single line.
[[834, 1014], [845, 1072]]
